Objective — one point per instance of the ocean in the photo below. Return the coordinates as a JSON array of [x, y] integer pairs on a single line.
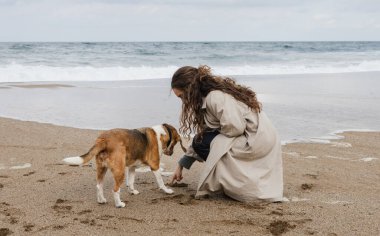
[[25, 62], [309, 89]]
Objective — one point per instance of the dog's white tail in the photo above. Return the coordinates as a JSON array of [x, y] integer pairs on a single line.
[[73, 160], [83, 159]]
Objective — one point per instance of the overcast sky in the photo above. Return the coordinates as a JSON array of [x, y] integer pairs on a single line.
[[186, 20]]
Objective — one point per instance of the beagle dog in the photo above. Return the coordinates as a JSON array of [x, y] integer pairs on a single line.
[[117, 149]]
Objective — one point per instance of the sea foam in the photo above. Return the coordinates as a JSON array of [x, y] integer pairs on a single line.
[[30, 73], [26, 73]]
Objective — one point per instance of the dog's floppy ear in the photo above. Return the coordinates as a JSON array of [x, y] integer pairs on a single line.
[[175, 134], [180, 141]]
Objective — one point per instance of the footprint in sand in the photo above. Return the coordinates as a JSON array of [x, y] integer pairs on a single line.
[[307, 186], [30, 173], [61, 208], [13, 220], [105, 217], [58, 227], [11, 214], [178, 185], [231, 222], [84, 212], [5, 231], [179, 198], [59, 201], [28, 227], [54, 227], [279, 227], [88, 221], [279, 213], [124, 218]]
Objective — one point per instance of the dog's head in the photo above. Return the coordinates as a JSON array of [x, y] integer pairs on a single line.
[[170, 140]]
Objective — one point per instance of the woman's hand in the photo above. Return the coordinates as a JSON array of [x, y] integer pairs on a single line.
[[177, 176]]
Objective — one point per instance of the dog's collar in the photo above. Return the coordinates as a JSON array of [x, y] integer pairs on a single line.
[[170, 135]]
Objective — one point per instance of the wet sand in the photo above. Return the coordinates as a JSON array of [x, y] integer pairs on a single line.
[[300, 106], [333, 189]]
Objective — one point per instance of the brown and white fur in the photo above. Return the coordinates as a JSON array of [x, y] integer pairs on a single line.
[[117, 149]]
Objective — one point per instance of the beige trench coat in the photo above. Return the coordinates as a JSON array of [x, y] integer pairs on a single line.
[[245, 159]]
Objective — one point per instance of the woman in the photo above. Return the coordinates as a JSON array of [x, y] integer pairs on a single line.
[[235, 139]]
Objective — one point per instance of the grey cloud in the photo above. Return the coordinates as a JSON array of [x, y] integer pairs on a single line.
[[175, 20]]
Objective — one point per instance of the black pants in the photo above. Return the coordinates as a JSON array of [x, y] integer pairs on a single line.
[[201, 145]]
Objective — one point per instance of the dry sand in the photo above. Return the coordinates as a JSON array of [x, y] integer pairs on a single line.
[[333, 189]]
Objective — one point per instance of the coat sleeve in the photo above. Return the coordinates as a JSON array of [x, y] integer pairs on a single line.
[[189, 158], [186, 161], [227, 110]]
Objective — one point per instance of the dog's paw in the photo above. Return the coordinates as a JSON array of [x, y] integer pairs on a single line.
[[168, 190], [102, 201], [133, 191], [120, 205]]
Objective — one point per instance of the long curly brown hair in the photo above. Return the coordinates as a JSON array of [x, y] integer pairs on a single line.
[[196, 83]]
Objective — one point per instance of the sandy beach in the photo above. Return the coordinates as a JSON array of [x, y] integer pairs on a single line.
[[332, 188]]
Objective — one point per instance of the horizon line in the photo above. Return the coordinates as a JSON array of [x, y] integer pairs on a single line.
[[192, 41]]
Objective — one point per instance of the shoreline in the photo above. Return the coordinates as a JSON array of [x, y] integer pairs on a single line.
[[58, 83], [332, 190], [334, 135], [298, 111]]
